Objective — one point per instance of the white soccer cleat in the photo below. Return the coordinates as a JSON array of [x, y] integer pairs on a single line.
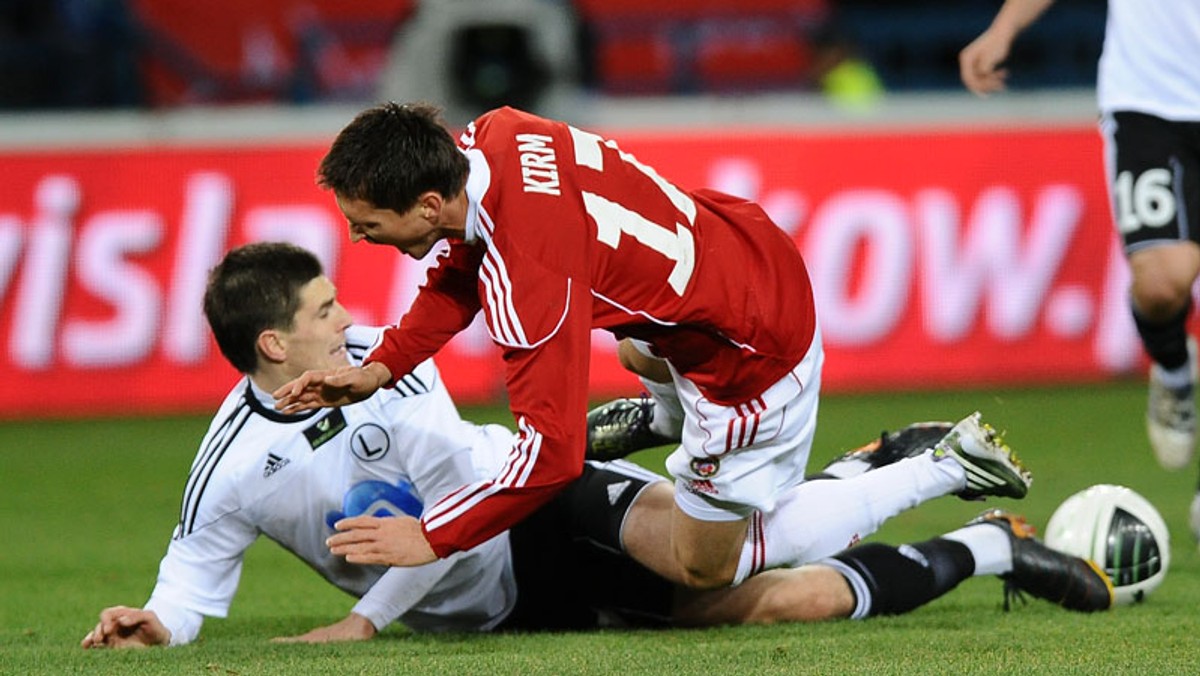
[[1171, 417], [991, 466]]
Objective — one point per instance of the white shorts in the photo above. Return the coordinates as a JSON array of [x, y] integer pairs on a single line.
[[737, 459]]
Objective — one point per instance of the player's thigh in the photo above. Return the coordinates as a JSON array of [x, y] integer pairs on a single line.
[[804, 594], [1153, 170]]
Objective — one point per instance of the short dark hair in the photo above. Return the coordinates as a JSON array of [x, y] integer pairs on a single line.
[[390, 154], [254, 288]]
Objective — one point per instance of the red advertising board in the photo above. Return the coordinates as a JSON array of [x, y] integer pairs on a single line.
[[939, 259]]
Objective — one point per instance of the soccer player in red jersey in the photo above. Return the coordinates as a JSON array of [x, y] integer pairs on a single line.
[[554, 231]]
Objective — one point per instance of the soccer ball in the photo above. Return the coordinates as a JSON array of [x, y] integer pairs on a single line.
[[1118, 529]]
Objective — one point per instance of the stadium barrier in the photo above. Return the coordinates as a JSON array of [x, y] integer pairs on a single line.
[[941, 257]]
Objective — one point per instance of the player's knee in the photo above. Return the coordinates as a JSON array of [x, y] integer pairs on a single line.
[[704, 579], [635, 362], [1162, 280], [705, 572], [1159, 298]]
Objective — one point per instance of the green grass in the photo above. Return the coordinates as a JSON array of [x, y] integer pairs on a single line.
[[87, 507]]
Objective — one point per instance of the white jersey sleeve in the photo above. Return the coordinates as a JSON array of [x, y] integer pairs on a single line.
[[199, 574]]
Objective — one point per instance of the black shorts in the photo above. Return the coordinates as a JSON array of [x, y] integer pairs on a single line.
[[570, 572], [1153, 168]]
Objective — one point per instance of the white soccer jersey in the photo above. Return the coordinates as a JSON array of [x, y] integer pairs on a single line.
[[1149, 63], [259, 472]]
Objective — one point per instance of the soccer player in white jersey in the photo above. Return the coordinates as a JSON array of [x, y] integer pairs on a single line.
[[292, 477], [1148, 91], [554, 231]]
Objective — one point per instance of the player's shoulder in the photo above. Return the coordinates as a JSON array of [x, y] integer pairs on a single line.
[[498, 128], [361, 340]]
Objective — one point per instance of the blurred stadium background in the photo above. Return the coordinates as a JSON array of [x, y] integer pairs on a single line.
[[958, 246], [953, 241]]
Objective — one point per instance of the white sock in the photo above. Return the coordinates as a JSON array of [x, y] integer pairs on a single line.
[[668, 412], [1176, 378], [822, 517], [989, 545]]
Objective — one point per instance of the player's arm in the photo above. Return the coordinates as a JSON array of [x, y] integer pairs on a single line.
[[547, 392], [547, 389], [445, 305], [198, 576], [395, 593], [980, 63]]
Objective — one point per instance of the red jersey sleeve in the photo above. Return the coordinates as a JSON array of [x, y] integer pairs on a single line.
[[445, 305], [546, 375]]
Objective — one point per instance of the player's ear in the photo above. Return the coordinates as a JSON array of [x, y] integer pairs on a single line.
[[430, 203], [272, 346]]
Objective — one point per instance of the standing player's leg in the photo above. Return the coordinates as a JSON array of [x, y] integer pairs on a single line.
[[1153, 167]]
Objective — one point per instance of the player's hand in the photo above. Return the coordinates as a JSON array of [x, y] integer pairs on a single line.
[[332, 387], [388, 541], [124, 627], [354, 627], [979, 63]]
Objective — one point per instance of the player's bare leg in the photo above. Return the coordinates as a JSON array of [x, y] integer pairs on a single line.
[[706, 552], [656, 534], [806, 594], [813, 520], [644, 365], [1161, 297]]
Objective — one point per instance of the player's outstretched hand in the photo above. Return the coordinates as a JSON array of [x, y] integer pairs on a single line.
[[354, 627], [124, 627], [331, 387], [979, 63], [388, 541]]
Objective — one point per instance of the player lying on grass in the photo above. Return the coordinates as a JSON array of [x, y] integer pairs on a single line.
[[290, 478]]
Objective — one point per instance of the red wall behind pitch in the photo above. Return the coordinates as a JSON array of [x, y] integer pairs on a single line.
[[940, 259]]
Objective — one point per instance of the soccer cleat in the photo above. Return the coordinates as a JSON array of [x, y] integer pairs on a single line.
[[992, 467], [887, 449], [621, 427], [1071, 582], [1171, 416]]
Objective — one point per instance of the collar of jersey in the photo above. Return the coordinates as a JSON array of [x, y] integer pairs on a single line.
[[478, 179], [262, 403]]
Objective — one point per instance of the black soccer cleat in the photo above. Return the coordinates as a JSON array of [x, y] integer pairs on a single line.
[[1071, 582], [621, 427], [890, 447]]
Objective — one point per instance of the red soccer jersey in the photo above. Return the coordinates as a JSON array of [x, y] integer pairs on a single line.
[[567, 233]]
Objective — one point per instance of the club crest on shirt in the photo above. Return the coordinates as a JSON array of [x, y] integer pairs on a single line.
[[369, 442], [539, 166], [705, 467], [325, 429]]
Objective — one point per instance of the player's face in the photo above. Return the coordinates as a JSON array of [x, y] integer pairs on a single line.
[[318, 336], [414, 232]]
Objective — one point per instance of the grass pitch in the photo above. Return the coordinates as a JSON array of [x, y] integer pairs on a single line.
[[87, 508]]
